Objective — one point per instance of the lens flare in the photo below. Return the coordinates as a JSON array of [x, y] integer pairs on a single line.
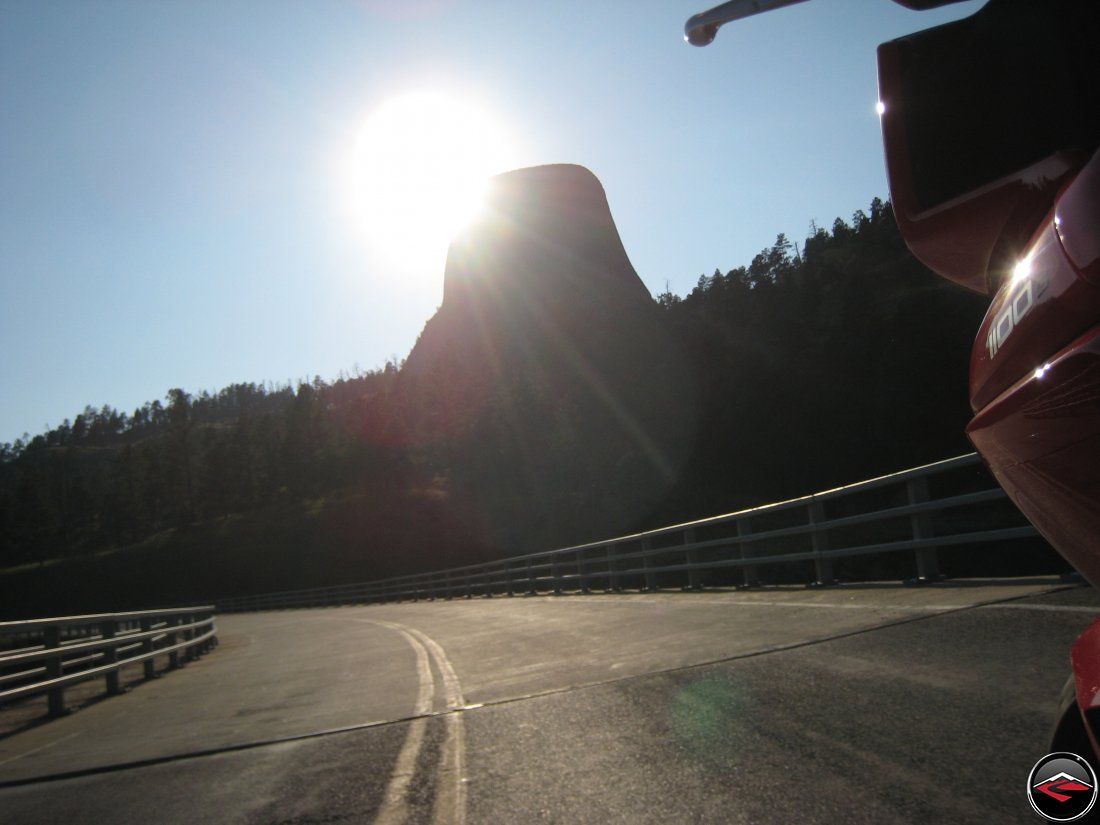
[[420, 169]]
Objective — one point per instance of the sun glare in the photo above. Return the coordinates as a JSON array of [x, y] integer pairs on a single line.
[[421, 164]]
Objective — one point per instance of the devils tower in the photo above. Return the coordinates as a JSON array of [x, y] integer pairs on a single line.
[[543, 262], [565, 403]]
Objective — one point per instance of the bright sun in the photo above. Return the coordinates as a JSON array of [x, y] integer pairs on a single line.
[[421, 163]]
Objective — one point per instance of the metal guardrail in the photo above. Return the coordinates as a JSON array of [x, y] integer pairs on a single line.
[[920, 510], [48, 655]]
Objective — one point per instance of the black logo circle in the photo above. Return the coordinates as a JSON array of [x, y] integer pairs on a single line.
[[1062, 787]]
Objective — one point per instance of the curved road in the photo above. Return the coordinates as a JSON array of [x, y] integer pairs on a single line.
[[861, 703]]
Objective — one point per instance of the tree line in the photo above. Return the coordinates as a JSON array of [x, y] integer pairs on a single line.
[[107, 479], [840, 360], [816, 364]]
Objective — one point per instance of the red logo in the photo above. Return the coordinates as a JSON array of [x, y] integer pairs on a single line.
[[1062, 787]]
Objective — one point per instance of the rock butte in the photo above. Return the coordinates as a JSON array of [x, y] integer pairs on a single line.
[[544, 262]]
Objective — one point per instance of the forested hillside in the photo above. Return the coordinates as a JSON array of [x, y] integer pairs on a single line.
[[823, 363], [818, 363]]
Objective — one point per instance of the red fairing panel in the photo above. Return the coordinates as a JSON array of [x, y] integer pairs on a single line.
[[1078, 221], [1086, 674], [1047, 301], [1035, 379]]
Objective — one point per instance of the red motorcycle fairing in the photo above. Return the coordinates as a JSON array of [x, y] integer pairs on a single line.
[[1035, 379], [1047, 300], [984, 121], [1085, 658], [1077, 221]]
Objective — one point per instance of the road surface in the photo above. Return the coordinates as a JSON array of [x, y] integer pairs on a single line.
[[856, 704]]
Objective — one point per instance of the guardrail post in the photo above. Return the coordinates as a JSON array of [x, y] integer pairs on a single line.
[[928, 561], [822, 566], [582, 569], [647, 563], [52, 639], [695, 578], [189, 635], [555, 572], [752, 573], [531, 589], [148, 666], [173, 637], [110, 657], [212, 642], [613, 583]]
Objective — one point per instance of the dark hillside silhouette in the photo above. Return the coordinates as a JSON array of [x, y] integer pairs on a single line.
[[549, 401], [823, 365]]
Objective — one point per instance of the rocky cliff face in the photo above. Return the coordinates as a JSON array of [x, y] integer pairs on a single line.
[[548, 368], [543, 263]]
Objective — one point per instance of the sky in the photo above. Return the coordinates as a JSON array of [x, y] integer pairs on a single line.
[[181, 181]]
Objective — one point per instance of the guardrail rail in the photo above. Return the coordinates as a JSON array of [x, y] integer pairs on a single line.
[[48, 655], [922, 510]]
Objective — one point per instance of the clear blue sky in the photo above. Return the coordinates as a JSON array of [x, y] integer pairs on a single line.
[[173, 209]]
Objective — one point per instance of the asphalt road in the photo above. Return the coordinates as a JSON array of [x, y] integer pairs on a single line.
[[876, 704]]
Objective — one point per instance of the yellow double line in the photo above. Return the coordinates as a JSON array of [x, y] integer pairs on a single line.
[[449, 803]]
